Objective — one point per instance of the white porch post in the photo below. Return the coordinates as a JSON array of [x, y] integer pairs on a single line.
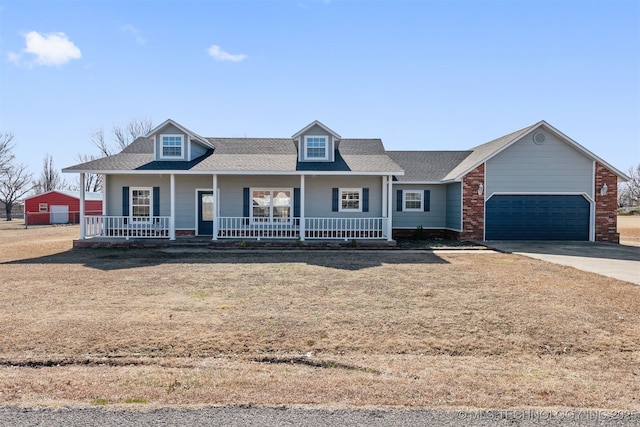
[[172, 218], [385, 194], [390, 209], [104, 194], [302, 225], [83, 226], [215, 207]]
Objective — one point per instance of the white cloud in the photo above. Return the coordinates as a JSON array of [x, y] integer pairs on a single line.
[[220, 55], [133, 31], [49, 49]]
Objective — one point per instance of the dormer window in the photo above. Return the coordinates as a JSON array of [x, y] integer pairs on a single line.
[[172, 146], [316, 147]]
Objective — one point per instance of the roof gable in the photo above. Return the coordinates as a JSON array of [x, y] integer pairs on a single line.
[[192, 135], [481, 153], [319, 124]]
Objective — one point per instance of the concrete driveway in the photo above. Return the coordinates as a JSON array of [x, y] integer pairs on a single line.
[[618, 261]]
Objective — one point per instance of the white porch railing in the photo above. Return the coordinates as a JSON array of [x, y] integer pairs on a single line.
[[345, 228], [127, 227], [240, 228]]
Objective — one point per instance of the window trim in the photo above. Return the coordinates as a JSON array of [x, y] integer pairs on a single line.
[[341, 191], [172, 135], [43, 207], [420, 193], [272, 190], [141, 219], [326, 147]]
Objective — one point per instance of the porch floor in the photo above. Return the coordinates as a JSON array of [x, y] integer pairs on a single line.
[[206, 242]]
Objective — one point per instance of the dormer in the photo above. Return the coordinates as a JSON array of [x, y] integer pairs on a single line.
[[316, 143], [173, 142]]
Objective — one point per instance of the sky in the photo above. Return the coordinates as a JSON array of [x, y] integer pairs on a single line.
[[420, 75]]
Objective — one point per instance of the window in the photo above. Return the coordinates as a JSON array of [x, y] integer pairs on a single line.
[[171, 146], [271, 205], [412, 201], [350, 200], [206, 200], [316, 148], [141, 202], [42, 207]]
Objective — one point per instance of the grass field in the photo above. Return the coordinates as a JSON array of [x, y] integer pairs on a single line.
[[147, 328]]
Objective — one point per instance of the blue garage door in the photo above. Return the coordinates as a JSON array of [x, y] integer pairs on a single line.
[[537, 217]]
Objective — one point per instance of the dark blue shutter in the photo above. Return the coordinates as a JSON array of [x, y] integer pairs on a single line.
[[334, 200], [365, 200], [125, 201], [156, 201], [245, 202], [426, 203], [296, 203], [399, 200]]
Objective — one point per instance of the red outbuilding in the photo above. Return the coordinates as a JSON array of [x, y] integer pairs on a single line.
[[60, 207]]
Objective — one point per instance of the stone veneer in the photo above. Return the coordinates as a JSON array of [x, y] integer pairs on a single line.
[[606, 206], [473, 205]]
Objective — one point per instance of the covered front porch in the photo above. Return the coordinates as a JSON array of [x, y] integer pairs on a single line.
[[266, 214]]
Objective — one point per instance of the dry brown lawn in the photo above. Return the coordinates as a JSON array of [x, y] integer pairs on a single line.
[[335, 328], [629, 229]]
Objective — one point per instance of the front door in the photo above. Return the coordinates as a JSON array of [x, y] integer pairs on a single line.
[[205, 213]]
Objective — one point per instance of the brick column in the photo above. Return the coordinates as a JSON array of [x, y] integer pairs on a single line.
[[606, 206], [473, 205]]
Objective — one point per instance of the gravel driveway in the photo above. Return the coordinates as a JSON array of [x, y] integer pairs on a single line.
[[284, 416]]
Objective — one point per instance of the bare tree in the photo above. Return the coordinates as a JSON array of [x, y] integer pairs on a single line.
[[137, 127], [92, 181], [49, 177], [122, 137], [629, 192], [6, 153], [15, 182]]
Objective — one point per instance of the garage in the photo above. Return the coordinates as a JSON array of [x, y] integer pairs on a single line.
[[58, 214], [60, 207], [537, 217]]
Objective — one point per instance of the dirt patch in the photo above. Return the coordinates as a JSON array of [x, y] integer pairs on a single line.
[[295, 327]]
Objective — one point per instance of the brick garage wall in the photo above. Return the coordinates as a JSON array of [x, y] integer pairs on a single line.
[[606, 206], [473, 205]]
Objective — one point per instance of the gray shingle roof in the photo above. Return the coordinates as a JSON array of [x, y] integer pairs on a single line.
[[250, 155], [265, 146], [117, 162], [140, 145], [427, 166], [280, 155]]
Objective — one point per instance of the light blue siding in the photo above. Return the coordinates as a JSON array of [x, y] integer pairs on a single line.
[[435, 218], [231, 189], [197, 150], [186, 198], [454, 206], [318, 195], [553, 166], [116, 182]]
